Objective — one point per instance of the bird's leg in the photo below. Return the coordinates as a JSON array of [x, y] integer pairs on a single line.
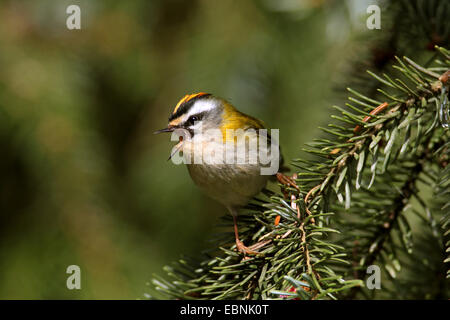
[[239, 244], [286, 180]]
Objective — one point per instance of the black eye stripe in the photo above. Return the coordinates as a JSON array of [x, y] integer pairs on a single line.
[[194, 118]]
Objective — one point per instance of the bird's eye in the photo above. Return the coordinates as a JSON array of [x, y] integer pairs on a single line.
[[193, 119]]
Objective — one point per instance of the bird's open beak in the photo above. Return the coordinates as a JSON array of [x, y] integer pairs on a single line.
[[178, 146], [168, 129]]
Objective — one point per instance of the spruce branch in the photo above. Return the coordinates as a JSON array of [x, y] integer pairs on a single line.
[[300, 258]]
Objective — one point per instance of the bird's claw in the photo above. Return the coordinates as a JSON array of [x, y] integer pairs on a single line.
[[243, 249], [286, 180]]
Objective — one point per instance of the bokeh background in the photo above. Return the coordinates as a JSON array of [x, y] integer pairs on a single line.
[[82, 178]]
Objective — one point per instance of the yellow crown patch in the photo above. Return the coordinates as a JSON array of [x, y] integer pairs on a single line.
[[188, 97]]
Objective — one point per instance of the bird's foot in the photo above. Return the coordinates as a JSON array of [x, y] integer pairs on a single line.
[[243, 249], [259, 245], [286, 180]]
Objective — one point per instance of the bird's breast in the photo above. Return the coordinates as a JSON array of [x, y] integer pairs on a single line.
[[231, 185], [227, 172]]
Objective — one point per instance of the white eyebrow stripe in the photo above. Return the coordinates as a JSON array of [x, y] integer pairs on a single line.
[[201, 106]]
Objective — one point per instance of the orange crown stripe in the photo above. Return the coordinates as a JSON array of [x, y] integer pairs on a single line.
[[188, 97]]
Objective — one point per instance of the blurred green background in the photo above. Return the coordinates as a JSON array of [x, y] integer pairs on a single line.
[[83, 179]]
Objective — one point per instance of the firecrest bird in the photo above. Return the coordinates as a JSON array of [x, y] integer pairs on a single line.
[[210, 125]]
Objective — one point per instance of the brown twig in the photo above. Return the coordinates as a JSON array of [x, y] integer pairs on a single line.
[[306, 201], [374, 112], [302, 229]]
